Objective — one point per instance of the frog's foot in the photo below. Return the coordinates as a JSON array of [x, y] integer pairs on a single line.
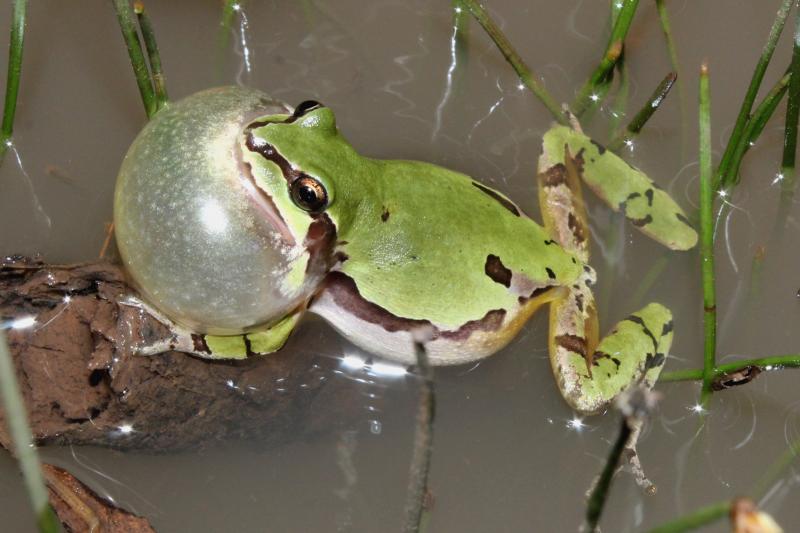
[[633, 353], [180, 339]]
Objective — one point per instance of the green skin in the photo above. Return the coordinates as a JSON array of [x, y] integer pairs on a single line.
[[414, 251]]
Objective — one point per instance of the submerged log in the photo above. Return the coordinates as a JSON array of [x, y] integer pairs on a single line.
[[73, 341]]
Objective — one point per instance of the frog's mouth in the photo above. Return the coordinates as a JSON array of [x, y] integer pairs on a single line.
[[262, 202]]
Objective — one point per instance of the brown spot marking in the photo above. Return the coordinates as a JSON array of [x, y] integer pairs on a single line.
[[649, 194], [505, 202], [638, 320], [668, 327], [578, 230], [573, 343], [653, 361], [602, 355], [550, 273], [600, 148], [554, 176], [496, 270], [683, 219], [248, 347], [200, 344], [534, 293], [639, 222], [579, 302], [385, 214], [341, 257]]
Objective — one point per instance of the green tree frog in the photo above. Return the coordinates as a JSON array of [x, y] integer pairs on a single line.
[[235, 215]]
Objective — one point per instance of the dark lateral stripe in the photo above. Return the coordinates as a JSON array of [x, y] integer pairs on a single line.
[[345, 293], [638, 320], [573, 343], [497, 271], [491, 321], [505, 202], [200, 344], [269, 152]]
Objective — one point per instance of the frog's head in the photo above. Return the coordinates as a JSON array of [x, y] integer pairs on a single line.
[[308, 170]]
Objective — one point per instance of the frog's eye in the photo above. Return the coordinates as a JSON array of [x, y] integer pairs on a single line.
[[309, 194], [305, 107]]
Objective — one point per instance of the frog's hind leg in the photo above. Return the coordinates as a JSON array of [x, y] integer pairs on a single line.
[[590, 375]]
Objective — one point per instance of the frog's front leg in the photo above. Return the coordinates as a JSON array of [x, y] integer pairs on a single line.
[[180, 339]]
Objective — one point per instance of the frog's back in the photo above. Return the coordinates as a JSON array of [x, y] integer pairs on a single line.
[[434, 248]]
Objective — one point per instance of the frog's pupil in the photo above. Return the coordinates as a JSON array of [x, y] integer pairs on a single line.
[[308, 195]]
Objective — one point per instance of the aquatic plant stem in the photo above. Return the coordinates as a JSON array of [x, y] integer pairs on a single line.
[[154, 58], [701, 517], [707, 239], [134, 46], [764, 363], [640, 119], [666, 27], [792, 115], [613, 51], [523, 71], [752, 130], [229, 9], [15, 46], [416, 496], [735, 138], [597, 499], [21, 436]]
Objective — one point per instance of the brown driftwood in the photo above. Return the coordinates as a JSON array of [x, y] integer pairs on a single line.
[[83, 384], [80, 509]]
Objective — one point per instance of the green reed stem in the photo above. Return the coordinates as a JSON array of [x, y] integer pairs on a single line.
[[715, 511], [722, 178], [415, 509], [15, 45], [753, 129], [666, 27], [604, 69], [154, 58], [131, 37], [707, 238], [22, 439], [701, 517], [523, 71], [772, 362], [640, 119], [597, 499], [792, 114], [229, 9]]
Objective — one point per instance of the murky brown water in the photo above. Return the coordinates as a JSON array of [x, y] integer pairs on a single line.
[[505, 458]]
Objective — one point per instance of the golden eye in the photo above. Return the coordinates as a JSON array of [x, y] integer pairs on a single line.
[[309, 194]]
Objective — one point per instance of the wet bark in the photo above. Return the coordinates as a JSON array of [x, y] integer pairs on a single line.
[[83, 383]]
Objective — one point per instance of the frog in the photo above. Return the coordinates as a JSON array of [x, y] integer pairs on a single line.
[[387, 252]]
